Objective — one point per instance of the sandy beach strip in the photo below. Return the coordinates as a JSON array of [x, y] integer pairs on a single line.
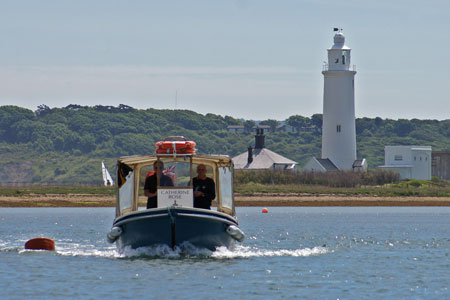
[[262, 200]]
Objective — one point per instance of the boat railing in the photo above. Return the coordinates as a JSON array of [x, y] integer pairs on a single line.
[[174, 154]]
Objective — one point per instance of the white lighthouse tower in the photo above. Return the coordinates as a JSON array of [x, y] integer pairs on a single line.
[[338, 130]]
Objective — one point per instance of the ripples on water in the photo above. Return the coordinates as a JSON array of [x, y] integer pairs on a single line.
[[314, 253]]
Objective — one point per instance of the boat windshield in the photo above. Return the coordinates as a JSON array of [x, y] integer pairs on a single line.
[[173, 174], [171, 180]]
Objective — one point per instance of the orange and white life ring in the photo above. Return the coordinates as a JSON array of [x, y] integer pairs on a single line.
[[169, 146]]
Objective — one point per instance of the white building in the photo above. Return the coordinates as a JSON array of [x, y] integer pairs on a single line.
[[339, 129], [411, 162]]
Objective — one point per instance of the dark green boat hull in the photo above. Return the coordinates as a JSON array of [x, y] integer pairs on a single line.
[[174, 226]]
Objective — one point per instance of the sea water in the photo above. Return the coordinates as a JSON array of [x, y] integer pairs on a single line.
[[289, 253]]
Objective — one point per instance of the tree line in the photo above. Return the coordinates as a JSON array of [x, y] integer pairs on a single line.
[[66, 144]]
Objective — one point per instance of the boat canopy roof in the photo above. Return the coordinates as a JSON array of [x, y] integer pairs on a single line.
[[219, 160]]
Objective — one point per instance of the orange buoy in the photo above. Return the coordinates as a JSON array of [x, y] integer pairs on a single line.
[[265, 210], [40, 243]]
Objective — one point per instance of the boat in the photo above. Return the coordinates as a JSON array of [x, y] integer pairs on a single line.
[[174, 221], [107, 179]]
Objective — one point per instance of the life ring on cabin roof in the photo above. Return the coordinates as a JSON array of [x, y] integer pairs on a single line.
[[169, 146]]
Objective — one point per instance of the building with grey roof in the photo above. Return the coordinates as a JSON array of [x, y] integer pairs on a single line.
[[261, 158], [236, 128], [360, 165], [320, 164]]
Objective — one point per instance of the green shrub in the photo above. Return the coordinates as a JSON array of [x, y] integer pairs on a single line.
[[331, 179], [415, 183]]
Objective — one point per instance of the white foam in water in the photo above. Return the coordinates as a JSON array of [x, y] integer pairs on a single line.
[[6, 247], [68, 248], [186, 249], [112, 253], [246, 252], [158, 250], [74, 249], [64, 248]]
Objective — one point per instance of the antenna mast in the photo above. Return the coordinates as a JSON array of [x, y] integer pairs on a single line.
[[176, 98]]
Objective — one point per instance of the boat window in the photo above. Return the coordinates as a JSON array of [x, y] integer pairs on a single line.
[[209, 171], [226, 187], [126, 193], [178, 172], [174, 183]]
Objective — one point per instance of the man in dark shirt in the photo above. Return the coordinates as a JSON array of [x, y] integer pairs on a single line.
[[150, 186], [204, 189]]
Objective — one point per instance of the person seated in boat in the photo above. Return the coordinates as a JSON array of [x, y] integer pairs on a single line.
[[204, 189], [150, 186]]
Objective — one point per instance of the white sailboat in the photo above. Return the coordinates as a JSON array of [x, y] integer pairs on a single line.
[[106, 176]]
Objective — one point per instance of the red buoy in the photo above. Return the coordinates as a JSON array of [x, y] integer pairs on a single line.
[[265, 210], [40, 243]]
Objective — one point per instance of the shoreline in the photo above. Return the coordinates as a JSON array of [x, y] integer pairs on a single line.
[[260, 200]]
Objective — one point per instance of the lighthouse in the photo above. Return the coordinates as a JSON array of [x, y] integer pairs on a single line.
[[338, 129]]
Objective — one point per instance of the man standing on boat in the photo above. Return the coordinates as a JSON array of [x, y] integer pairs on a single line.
[[150, 186], [204, 189]]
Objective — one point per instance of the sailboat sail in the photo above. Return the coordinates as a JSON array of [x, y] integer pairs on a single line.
[[106, 176]]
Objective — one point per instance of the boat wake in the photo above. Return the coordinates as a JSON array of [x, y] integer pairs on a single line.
[[186, 250], [248, 252], [164, 251], [189, 251], [63, 247], [104, 252]]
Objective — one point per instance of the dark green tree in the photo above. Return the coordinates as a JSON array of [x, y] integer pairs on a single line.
[[298, 122], [317, 120], [272, 123]]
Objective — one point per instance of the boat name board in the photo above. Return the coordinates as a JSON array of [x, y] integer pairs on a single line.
[[179, 197]]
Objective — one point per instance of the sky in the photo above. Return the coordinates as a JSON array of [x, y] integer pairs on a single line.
[[251, 59]]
